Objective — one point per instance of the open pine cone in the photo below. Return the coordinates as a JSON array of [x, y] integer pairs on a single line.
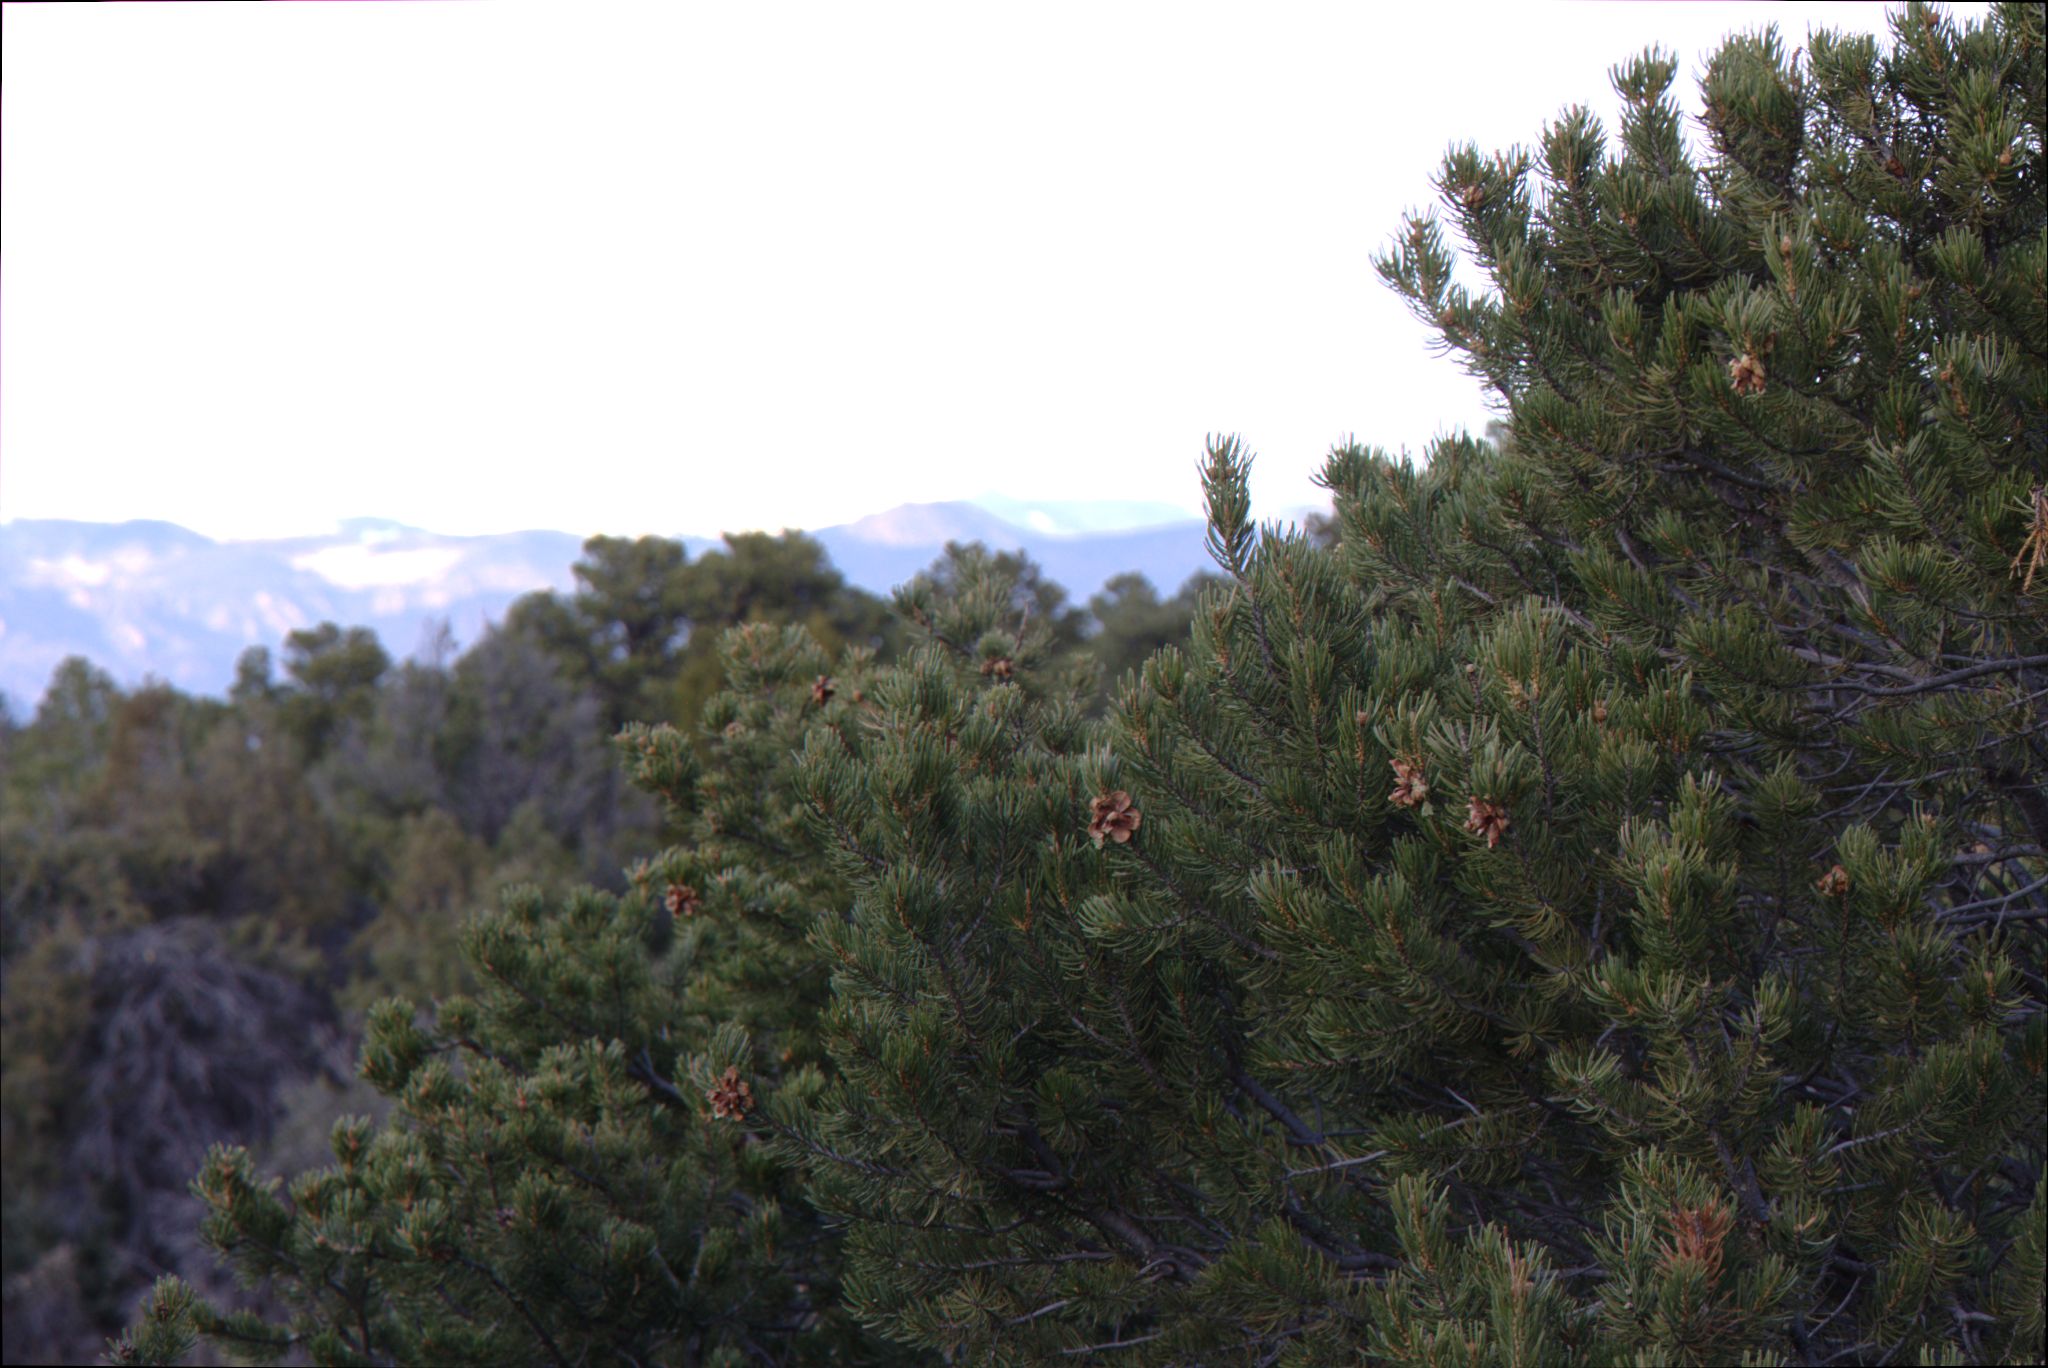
[[1111, 816], [1411, 787], [1489, 819], [730, 1097]]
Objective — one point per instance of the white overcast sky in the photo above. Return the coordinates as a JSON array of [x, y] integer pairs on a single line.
[[481, 265]]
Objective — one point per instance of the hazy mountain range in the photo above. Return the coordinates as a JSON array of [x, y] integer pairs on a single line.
[[152, 599]]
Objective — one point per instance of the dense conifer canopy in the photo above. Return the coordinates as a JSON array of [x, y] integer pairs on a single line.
[[1591, 912]]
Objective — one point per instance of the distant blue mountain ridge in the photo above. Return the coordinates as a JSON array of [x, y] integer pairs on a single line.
[[155, 600]]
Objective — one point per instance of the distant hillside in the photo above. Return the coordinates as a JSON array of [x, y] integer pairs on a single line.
[[154, 599]]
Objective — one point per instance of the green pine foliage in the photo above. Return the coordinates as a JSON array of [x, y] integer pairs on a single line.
[[552, 1187], [1583, 904], [1595, 912]]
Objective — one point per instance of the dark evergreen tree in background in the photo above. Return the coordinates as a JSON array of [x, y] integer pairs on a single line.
[[1135, 621], [333, 681], [642, 629], [1590, 908]]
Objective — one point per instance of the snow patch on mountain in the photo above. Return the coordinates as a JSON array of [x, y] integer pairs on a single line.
[[356, 565]]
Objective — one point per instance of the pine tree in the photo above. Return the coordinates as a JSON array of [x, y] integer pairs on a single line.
[[1590, 912], [1593, 913]]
